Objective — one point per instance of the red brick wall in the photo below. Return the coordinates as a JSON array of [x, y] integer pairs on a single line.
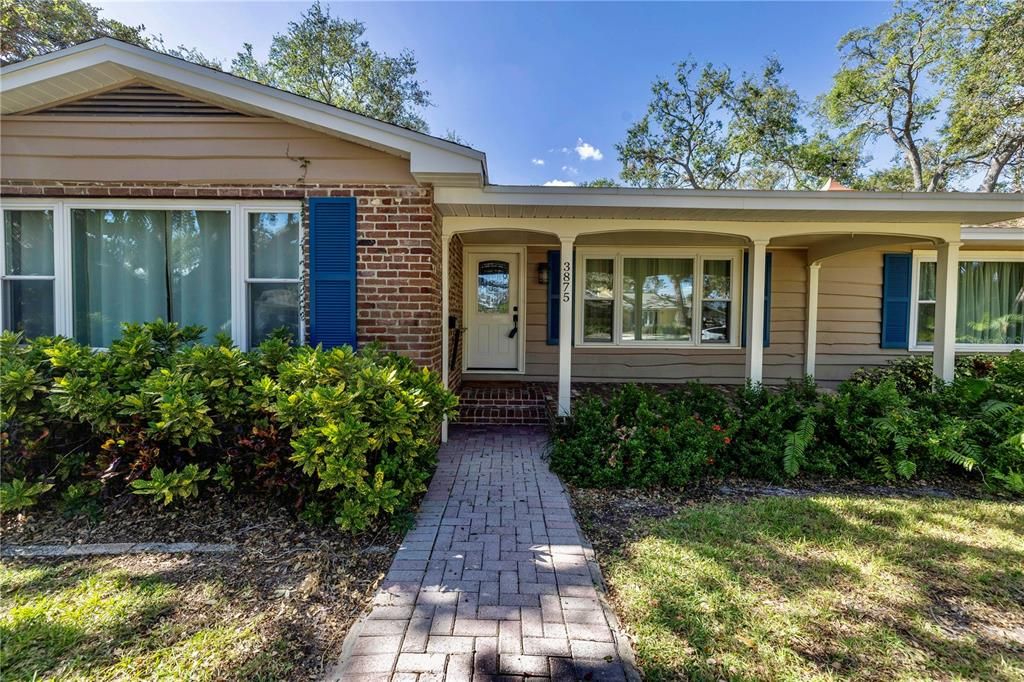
[[455, 305], [399, 283]]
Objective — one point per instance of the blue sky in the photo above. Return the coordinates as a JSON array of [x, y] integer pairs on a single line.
[[553, 82]]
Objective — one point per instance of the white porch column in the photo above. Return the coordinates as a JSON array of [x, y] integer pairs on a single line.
[[811, 344], [565, 324], [446, 242], [755, 311], [947, 272]]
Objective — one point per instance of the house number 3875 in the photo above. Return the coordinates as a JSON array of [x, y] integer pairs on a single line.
[[566, 280]]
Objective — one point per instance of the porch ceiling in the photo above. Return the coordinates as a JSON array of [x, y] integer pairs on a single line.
[[515, 202]]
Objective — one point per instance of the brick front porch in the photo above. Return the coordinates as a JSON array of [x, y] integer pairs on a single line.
[[506, 402]]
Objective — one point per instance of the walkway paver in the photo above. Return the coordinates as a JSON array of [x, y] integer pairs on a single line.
[[495, 581]]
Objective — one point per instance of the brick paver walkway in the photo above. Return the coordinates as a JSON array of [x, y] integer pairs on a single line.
[[495, 580]]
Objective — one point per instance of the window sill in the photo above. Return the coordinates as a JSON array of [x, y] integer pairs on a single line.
[[659, 346]]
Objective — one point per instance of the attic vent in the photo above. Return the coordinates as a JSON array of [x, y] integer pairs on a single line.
[[138, 100]]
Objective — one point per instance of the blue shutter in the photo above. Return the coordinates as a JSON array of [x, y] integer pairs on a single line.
[[332, 271], [554, 267], [767, 299], [896, 277]]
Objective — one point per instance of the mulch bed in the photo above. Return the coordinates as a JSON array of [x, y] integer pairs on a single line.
[[305, 585]]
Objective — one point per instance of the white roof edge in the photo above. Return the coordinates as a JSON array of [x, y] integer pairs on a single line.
[[428, 154], [953, 202], [992, 234]]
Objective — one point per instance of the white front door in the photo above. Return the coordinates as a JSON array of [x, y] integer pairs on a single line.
[[494, 324]]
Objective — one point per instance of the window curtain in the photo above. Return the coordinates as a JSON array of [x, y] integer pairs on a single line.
[[990, 304], [119, 271], [657, 298], [140, 266], [200, 274]]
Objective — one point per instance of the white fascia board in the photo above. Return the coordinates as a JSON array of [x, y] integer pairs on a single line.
[[946, 202], [426, 154], [992, 234]]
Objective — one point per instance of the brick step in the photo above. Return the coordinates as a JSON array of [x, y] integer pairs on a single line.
[[535, 413]]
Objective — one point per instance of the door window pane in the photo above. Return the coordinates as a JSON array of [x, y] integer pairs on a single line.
[[657, 299], [598, 299], [492, 284], [28, 306], [274, 245], [273, 306], [28, 242], [716, 308]]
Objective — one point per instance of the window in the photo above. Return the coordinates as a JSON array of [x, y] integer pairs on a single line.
[[28, 286], [990, 301], [273, 281], [654, 299], [137, 265], [492, 283], [81, 267]]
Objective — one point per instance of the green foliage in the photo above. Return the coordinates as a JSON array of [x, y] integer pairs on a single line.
[[641, 438], [326, 58], [162, 415], [176, 485], [21, 494], [29, 28], [706, 130], [893, 423]]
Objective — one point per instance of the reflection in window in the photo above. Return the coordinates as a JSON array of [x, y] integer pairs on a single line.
[[273, 283], [990, 303], [28, 274], [141, 265], [657, 299], [598, 299], [492, 283], [716, 303]]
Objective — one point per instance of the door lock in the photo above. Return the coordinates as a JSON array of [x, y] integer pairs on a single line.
[[515, 322]]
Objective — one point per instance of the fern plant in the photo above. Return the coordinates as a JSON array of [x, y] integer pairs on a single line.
[[797, 440]]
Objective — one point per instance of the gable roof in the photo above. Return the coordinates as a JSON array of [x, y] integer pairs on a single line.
[[105, 63]]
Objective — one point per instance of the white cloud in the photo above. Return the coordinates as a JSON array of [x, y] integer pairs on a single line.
[[537, 162], [571, 170], [587, 151], [559, 183]]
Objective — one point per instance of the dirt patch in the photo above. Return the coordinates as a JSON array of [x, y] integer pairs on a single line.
[[301, 586]]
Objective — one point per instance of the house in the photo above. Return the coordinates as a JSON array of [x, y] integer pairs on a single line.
[[136, 185]]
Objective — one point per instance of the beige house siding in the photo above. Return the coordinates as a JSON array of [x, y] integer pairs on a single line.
[[850, 315], [849, 330], [219, 150]]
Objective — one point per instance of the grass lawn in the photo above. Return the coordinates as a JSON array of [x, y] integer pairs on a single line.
[[821, 587], [131, 618]]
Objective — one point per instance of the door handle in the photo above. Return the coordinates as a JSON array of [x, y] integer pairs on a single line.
[[515, 322]]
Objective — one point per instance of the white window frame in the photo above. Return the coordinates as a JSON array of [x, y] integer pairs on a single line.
[[239, 249], [617, 255], [924, 256], [243, 281]]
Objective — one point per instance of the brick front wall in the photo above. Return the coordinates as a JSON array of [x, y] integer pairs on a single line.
[[399, 281]]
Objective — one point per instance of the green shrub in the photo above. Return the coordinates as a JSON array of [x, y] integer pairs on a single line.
[[639, 437], [888, 424], [353, 432]]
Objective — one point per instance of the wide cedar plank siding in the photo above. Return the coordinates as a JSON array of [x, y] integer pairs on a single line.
[[188, 150]]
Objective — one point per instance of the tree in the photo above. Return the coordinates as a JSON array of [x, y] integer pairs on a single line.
[[29, 28], [706, 131], [325, 58], [599, 182], [984, 72], [944, 81]]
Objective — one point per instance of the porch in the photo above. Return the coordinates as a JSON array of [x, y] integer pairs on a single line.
[[570, 284]]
